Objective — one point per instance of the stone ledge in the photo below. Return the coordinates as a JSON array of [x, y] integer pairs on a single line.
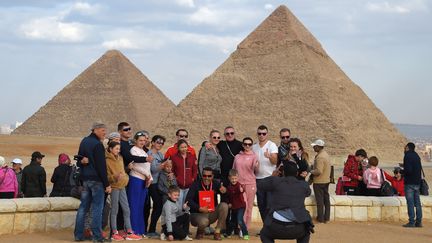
[[32, 204], [63, 203], [7, 206]]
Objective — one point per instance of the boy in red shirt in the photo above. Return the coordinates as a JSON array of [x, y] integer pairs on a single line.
[[237, 204]]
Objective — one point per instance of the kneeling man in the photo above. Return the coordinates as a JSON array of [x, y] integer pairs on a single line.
[[204, 206]]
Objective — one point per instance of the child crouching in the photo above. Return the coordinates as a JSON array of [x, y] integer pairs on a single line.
[[175, 222]]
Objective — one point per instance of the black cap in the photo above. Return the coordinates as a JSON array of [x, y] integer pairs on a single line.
[[37, 154]]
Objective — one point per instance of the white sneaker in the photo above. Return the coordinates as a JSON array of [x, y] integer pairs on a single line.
[[188, 238], [240, 234], [162, 236]]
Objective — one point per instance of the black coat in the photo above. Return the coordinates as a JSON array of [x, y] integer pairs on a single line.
[[33, 182], [61, 180], [228, 150], [193, 195], [412, 168], [287, 192]]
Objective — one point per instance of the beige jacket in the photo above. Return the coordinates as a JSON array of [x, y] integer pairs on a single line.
[[321, 168]]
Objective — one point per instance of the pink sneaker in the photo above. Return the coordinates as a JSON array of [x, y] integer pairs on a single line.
[[122, 233], [132, 236], [116, 237]]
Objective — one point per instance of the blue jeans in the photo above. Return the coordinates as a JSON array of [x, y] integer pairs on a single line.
[[412, 195], [93, 195], [240, 214]]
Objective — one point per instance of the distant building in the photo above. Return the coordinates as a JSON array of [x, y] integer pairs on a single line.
[[5, 129], [428, 149]]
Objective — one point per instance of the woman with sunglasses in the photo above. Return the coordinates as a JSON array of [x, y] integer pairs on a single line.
[[209, 155], [246, 163], [157, 165], [397, 181]]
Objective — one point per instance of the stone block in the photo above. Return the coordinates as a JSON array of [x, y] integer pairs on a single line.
[[32, 204], [332, 213], [427, 214], [390, 214], [312, 211], [343, 213], [63, 203], [376, 201], [256, 217], [426, 200], [7, 206], [68, 220], [6, 223], [53, 221], [310, 201], [37, 222], [374, 213], [390, 201], [359, 213], [360, 201], [402, 201], [21, 223], [403, 213], [341, 200]]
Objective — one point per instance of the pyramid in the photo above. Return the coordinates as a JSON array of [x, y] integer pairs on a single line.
[[111, 90], [281, 76]]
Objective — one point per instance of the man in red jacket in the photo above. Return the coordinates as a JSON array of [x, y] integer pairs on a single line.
[[180, 134], [353, 173]]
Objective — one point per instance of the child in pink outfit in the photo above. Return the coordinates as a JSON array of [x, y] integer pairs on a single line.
[[8, 181], [372, 178], [246, 163]]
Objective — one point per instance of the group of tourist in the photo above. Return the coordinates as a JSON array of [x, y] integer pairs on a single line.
[[217, 186]]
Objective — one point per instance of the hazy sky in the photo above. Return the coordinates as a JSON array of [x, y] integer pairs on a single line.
[[383, 46]]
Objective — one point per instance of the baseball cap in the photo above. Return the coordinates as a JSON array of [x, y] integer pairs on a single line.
[[37, 154], [318, 142], [17, 161]]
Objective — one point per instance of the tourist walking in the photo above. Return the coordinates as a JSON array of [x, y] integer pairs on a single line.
[[321, 180], [33, 182]]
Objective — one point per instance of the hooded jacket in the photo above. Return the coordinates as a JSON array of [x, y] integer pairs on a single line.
[[114, 169], [8, 181], [373, 178]]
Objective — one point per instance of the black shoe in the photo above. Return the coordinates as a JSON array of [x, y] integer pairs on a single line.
[[409, 225], [102, 240], [418, 225]]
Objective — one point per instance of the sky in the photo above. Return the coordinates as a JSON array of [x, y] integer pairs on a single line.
[[383, 46]]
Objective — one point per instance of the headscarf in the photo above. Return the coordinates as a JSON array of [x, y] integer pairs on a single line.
[[63, 159]]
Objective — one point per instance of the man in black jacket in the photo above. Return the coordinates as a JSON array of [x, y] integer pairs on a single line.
[[202, 216], [33, 182], [95, 182], [288, 217], [412, 179]]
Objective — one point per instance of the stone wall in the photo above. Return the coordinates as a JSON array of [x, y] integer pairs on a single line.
[[49, 214]]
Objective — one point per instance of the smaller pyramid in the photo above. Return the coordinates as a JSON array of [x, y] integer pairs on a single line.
[[111, 90]]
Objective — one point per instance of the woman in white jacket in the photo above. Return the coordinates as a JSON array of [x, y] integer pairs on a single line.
[[140, 179]]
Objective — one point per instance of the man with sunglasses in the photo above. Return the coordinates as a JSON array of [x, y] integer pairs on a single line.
[[283, 149], [267, 152], [180, 134], [202, 216]]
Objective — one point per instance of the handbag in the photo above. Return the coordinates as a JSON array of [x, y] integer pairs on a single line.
[[424, 187], [386, 188]]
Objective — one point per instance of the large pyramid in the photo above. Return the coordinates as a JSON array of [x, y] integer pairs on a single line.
[[282, 77], [111, 90]]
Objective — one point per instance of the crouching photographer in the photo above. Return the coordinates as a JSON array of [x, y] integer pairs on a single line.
[[288, 218]]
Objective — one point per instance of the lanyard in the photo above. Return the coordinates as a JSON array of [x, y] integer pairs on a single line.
[[211, 186]]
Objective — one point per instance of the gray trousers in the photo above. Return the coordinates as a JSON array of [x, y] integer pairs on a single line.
[[119, 197]]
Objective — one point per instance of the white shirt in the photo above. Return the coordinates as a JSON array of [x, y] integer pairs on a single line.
[[266, 168]]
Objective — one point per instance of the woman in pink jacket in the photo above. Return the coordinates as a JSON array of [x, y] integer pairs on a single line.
[[246, 163], [372, 178], [8, 181]]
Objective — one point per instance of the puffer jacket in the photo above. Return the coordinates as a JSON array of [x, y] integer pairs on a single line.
[[8, 181]]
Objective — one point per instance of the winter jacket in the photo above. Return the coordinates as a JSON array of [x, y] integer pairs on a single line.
[[114, 169], [321, 168], [352, 170], [209, 158], [235, 196], [173, 150], [164, 182], [170, 212], [373, 178], [185, 170], [399, 185], [61, 181], [193, 195], [33, 182], [412, 168], [8, 181]]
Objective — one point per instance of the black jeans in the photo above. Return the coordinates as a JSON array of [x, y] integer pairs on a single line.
[[180, 228], [157, 205], [263, 199], [284, 231], [7, 195], [322, 198]]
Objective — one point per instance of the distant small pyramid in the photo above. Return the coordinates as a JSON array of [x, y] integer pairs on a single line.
[[280, 76], [111, 90]]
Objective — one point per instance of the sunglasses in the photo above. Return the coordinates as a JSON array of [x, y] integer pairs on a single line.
[[229, 133], [160, 142], [261, 133], [285, 137], [141, 134], [207, 176], [183, 136], [247, 144], [216, 137], [126, 129]]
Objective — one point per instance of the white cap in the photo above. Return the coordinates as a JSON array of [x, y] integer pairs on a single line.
[[2, 161], [318, 142], [17, 161]]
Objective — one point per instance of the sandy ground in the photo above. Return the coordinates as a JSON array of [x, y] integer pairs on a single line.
[[325, 233]]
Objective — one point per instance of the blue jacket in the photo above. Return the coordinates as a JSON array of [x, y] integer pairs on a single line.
[[412, 168], [96, 170]]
